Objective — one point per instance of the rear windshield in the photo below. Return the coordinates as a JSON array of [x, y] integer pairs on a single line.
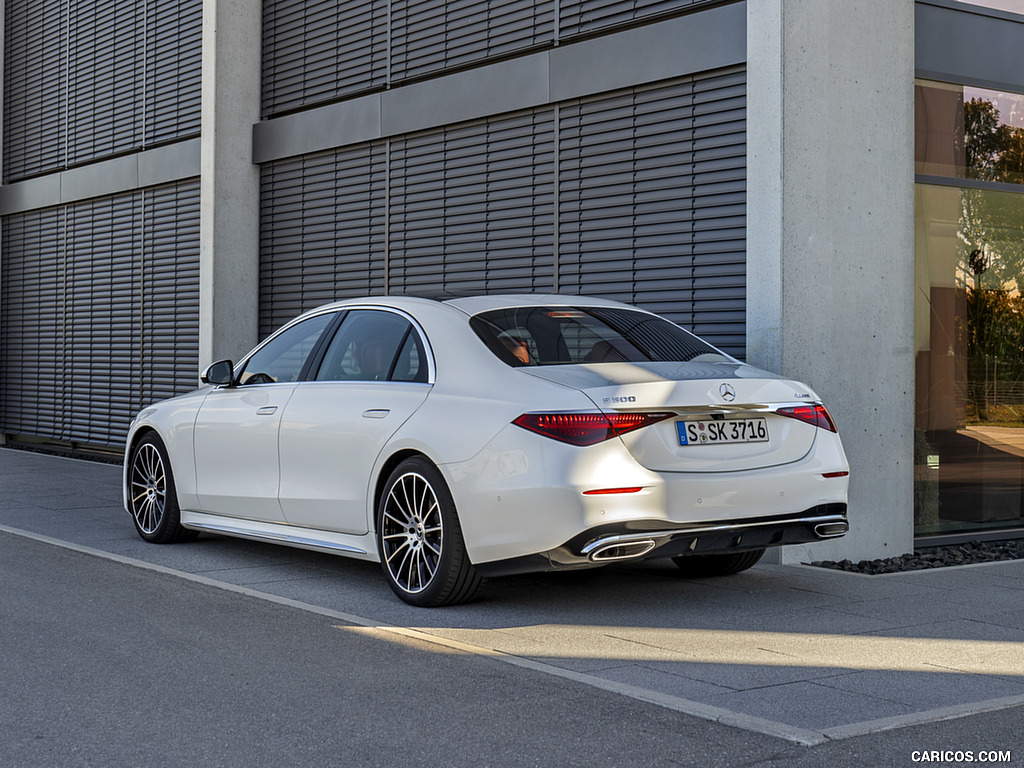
[[567, 335]]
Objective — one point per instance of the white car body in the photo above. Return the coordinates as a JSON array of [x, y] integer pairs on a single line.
[[304, 462]]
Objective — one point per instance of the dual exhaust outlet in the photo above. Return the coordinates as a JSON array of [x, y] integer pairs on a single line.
[[628, 547]]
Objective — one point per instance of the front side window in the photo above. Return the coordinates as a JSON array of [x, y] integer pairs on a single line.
[[282, 358], [522, 336]]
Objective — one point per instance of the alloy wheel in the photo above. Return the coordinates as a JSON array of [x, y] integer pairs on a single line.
[[148, 488], [412, 532]]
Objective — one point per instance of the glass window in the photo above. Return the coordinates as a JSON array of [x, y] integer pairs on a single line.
[[374, 345], [969, 133], [411, 364], [969, 340], [566, 335], [281, 359]]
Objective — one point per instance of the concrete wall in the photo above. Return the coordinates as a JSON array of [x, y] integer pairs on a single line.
[[229, 228], [831, 238]]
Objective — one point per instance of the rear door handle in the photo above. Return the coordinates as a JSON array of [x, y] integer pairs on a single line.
[[376, 413], [266, 410]]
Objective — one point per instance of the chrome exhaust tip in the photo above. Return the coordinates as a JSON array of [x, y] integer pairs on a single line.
[[621, 550], [831, 530]]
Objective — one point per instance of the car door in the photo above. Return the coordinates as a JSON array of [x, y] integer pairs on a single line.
[[237, 428], [373, 376]]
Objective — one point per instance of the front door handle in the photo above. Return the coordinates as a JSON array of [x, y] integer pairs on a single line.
[[376, 413], [266, 410]]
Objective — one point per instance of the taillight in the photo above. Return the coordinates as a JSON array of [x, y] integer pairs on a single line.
[[586, 428], [816, 415]]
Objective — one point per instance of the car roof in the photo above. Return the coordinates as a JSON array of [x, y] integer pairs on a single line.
[[475, 304], [472, 305]]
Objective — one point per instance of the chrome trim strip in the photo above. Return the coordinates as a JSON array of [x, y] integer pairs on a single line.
[[281, 538]]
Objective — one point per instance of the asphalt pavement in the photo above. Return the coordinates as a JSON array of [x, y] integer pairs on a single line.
[[222, 642]]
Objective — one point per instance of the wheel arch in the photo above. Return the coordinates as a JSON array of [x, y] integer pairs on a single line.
[[385, 472], [137, 438]]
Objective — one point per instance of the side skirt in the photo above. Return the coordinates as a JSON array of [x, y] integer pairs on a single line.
[[362, 547]]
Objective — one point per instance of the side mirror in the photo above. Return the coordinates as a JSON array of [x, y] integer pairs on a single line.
[[220, 373]]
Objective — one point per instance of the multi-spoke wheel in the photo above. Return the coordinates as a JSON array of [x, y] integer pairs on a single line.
[[151, 496], [420, 540], [717, 565]]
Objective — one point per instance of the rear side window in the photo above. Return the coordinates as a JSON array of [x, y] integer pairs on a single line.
[[567, 335], [373, 345]]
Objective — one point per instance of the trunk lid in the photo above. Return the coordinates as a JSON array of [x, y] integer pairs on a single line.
[[724, 417]]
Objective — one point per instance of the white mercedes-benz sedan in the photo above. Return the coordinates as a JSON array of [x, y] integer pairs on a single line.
[[456, 440]]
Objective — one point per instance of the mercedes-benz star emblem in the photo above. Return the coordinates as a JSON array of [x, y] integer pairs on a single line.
[[727, 392]]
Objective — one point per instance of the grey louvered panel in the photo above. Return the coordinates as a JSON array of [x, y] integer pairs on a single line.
[[472, 207], [101, 311], [581, 16], [652, 201], [322, 231], [87, 79], [169, 316], [91, 292], [31, 344], [173, 69], [432, 35], [105, 47], [35, 47], [318, 50], [720, 209]]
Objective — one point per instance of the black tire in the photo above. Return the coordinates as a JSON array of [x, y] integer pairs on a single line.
[[717, 565], [152, 498], [419, 538]]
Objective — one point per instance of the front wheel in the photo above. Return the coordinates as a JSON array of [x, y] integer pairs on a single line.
[[152, 499], [717, 565], [420, 540]]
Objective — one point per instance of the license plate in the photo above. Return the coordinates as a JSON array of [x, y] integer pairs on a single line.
[[722, 432]]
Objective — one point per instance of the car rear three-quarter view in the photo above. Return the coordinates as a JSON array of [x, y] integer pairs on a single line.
[[485, 436]]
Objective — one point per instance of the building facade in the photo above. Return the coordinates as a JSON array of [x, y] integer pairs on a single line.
[[825, 189]]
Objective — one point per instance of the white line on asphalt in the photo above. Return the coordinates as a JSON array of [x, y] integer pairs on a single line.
[[793, 734]]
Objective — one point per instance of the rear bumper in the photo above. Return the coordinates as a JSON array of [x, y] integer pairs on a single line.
[[652, 539]]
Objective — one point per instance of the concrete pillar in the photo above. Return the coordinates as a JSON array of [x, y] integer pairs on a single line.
[[229, 186], [830, 238]]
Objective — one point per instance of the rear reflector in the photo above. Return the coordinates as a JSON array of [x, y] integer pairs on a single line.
[[604, 491], [817, 415], [830, 475], [586, 428]]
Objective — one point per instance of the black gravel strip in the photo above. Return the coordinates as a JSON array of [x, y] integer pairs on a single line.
[[934, 557]]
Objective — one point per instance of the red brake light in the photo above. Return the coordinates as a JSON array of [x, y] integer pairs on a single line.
[[816, 415], [586, 428]]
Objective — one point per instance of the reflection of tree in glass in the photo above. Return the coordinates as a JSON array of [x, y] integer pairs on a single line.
[[992, 265], [995, 344], [994, 151], [992, 232]]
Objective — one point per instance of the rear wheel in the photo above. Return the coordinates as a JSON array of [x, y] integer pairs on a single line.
[[717, 565], [420, 540], [152, 499]]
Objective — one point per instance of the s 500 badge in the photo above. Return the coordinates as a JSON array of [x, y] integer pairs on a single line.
[[610, 400]]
